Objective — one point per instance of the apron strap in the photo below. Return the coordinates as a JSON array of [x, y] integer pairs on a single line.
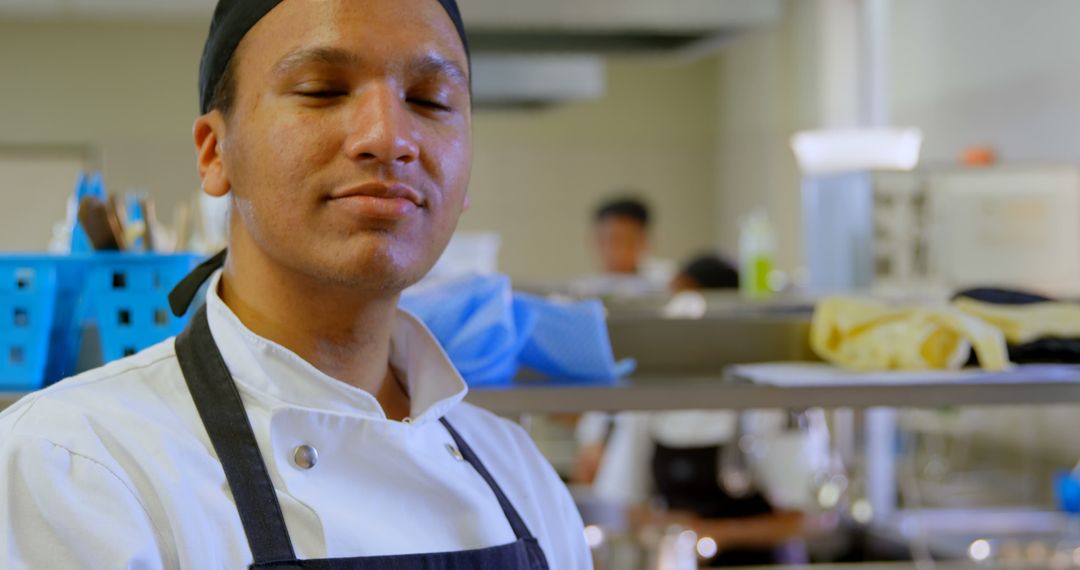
[[521, 531], [222, 412], [181, 296]]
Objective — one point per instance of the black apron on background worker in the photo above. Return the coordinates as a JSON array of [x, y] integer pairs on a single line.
[[687, 479]]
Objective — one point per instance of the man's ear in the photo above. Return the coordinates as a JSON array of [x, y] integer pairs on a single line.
[[209, 130]]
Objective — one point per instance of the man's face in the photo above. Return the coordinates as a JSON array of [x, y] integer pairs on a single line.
[[621, 243], [348, 148]]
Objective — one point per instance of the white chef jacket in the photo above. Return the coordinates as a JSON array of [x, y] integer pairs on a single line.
[[113, 468]]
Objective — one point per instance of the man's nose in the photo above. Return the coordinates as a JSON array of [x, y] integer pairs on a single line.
[[381, 129]]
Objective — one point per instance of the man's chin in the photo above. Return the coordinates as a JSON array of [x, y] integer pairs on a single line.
[[384, 273]]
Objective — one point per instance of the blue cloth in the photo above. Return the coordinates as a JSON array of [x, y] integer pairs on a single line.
[[490, 332], [570, 340]]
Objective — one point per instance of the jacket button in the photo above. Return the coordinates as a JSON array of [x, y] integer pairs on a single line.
[[305, 457]]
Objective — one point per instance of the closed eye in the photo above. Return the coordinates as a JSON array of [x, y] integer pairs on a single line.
[[429, 104], [322, 94]]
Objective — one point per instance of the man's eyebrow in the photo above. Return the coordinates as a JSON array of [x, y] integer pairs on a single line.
[[435, 64], [315, 56]]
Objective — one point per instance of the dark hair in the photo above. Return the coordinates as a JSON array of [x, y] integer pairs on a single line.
[[711, 272], [632, 208], [225, 91]]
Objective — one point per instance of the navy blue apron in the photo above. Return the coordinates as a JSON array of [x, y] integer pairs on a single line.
[[218, 402]]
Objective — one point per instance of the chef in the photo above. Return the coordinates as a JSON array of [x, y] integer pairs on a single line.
[[302, 419]]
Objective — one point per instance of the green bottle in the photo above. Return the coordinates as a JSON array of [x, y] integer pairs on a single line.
[[757, 255]]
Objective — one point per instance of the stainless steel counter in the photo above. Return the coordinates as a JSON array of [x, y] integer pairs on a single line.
[[689, 364], [1022, 386]]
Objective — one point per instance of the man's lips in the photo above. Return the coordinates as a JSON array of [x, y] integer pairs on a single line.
[[381, 200], [387, 190]]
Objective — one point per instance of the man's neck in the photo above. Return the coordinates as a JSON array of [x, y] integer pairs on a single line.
[[344, 334]]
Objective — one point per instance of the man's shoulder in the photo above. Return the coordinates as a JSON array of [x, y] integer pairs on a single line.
[[118, 396]]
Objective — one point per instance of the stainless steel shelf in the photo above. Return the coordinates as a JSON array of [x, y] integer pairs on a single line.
[[1057, 385], [1038, 385]]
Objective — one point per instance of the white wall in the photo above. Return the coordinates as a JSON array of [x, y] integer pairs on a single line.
[[126, 91], [34, 188], [995, 72], [129, 91], [537, 177], [767, 90]]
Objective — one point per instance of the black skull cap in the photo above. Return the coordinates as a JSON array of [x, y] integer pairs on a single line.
[[232, 21]]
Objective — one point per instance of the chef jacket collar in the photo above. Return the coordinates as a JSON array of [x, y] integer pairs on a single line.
[[265, 367]]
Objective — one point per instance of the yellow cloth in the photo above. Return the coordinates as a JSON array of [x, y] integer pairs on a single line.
[[1025, 323], [867, 335]]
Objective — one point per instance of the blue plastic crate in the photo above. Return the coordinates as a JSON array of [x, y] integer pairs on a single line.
[[65, 338], [127, 297], [28, 293]]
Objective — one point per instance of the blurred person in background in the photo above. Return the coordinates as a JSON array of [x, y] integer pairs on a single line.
[[621, 241], [687, 468], [708, 271]]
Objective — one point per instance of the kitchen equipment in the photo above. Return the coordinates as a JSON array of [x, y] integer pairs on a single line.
[[677, 550], [182, 227], [1014, 226], [733, 471], [115, 215], [88, 185], [790, 465], [150, 221], [95, 221], [838, 199]]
